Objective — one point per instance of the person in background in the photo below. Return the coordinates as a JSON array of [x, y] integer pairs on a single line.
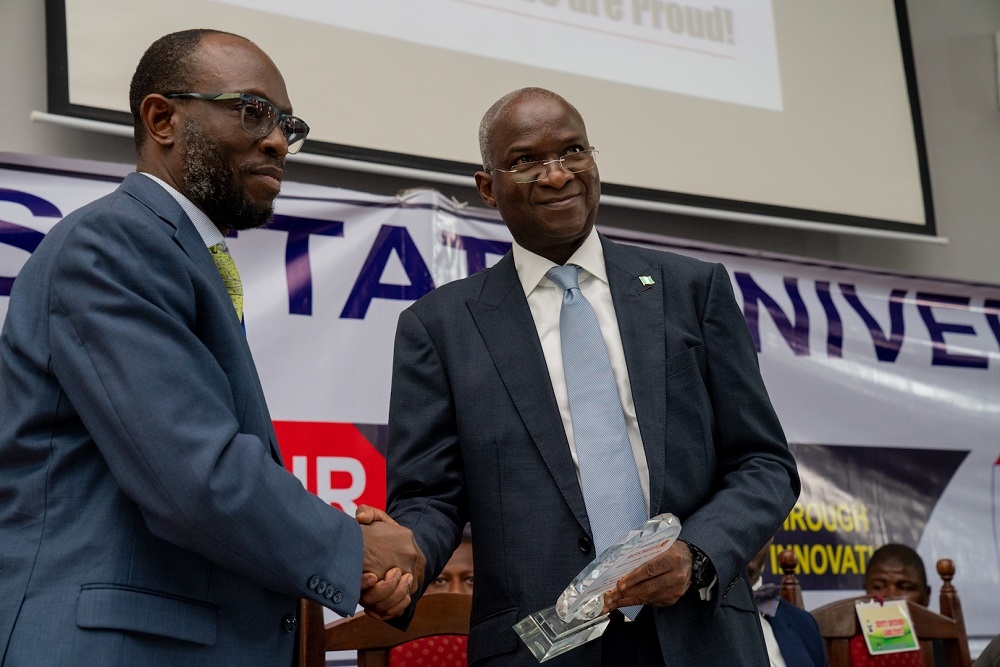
[[895, 571], [457, 575], [486, 424], [990, 657], [791, 634], [145, 514], [442, 650]]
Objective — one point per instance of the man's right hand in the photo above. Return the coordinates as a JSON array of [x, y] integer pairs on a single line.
[[393, 568]]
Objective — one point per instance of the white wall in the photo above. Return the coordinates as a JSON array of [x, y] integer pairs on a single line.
[[956, 70]]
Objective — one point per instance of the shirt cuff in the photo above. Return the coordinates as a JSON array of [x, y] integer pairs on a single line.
[[706, 593]]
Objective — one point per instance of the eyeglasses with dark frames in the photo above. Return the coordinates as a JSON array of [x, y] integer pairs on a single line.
[[259, 117], [574, 163]]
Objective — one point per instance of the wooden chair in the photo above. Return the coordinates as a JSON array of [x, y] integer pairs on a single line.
[[791, 591], [838, 623], [438, 614]]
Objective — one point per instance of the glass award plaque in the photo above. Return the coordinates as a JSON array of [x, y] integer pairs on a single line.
[[576, 617]]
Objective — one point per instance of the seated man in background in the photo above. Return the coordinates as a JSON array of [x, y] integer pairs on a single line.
[[442, 650], [895, 571], [791, 634], [456, 577]]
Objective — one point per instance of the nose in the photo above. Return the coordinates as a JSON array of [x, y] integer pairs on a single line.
[[274, 142], [556, 174]]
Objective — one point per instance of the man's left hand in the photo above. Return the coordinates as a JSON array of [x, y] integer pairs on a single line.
[[661, 582]]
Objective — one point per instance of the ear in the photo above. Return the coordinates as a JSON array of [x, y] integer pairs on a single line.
[[484, 183], [158, 115]]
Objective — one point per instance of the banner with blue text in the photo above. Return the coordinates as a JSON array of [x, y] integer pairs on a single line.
[[888, 385]]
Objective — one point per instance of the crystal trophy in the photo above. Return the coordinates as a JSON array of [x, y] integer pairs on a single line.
[[576, 617]]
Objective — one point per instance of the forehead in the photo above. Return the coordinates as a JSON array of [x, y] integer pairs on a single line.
[[534, 122], [895, 570], [229, 64]]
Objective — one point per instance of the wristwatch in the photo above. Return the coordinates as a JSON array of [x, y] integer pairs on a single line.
[[702, 570]]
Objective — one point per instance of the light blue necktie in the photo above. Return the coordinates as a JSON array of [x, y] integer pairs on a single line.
[[610, 480]]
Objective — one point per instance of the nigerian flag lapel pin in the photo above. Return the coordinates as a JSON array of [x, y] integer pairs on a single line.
[[647, 282]]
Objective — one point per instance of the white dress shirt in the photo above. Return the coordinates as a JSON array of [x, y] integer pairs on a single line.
[[773, 650], [545, 300], [209, 233]]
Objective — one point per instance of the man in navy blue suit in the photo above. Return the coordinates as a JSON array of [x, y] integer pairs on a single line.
[[146, 517], [480, 424], [791, 634]]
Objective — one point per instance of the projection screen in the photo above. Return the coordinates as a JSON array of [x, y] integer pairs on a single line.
[[780, 108]]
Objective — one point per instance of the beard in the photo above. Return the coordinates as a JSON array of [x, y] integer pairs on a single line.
[[211, 184]]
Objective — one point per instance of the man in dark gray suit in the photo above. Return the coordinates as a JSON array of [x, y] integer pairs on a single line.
[[480, 430], [145, 515]]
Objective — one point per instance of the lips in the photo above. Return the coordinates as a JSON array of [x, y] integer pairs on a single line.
[[271, 175], [561, 201]]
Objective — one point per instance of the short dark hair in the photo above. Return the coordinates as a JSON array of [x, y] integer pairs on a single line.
[[167, 66], [901, 554], [499, 110]]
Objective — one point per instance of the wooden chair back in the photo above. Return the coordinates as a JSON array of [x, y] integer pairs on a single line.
[[791, 591], [838, 623], [438, 614]]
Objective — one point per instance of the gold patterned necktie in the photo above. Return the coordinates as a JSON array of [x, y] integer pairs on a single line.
[[230, 275]]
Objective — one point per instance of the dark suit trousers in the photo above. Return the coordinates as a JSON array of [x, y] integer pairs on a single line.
[[631, 644]]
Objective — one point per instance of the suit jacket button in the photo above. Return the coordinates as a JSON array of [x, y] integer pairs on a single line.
[[321, 587], [584, 544], [337, 597], [290, 623], [314, 582]]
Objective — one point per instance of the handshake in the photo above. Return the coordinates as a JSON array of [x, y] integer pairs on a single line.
[[393, 568]]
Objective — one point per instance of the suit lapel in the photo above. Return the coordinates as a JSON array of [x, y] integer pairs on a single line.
[[505, 323], [166, 208], [183, 231], [640, 312]]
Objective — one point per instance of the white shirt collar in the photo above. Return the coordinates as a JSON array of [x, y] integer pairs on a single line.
[[209, 233], [531, 268]]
